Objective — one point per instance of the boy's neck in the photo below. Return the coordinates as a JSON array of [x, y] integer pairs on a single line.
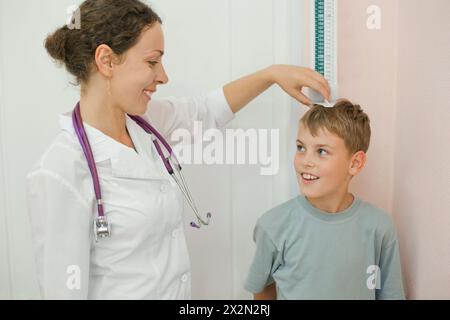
[[334, 203]]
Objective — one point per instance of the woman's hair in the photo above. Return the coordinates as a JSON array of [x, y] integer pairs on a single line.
[[116, 23], [344, 119]]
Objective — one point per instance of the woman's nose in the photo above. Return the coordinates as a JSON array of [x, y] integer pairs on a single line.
[[162, 76]]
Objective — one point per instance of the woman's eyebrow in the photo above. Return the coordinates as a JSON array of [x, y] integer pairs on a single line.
[[159, 51]]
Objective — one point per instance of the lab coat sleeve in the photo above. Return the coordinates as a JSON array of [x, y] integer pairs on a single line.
[[169, 114], [61, 236]]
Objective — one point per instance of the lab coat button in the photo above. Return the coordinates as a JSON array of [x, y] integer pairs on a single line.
[[184, 278], [163, 188], [174, 233]]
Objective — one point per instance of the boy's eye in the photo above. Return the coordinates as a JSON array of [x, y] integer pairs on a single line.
[[300, 148], [153, 63], [323, 151]]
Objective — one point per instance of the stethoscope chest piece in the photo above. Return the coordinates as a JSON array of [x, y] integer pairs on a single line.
[[102, 228]]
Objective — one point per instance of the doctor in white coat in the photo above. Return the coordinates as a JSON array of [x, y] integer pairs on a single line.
[[116, 57]]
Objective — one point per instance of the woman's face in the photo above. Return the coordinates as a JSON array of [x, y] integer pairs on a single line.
[[140, 72]]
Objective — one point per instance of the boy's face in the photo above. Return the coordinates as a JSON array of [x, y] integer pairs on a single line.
[[323, 164]]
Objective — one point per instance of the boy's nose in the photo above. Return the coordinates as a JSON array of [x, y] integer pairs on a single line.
[[307, 163]]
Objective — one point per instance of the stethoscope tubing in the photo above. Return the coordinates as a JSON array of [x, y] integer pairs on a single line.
[[84, 142], [170, 162]]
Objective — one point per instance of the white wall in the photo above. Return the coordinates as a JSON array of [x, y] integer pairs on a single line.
[[33, 92], [5, 289], [208, 43]]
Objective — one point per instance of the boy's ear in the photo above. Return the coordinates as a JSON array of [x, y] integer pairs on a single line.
[[357, 163]]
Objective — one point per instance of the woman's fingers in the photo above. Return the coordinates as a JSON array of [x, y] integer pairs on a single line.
[[293, 78], [299, 96], [318, 83]]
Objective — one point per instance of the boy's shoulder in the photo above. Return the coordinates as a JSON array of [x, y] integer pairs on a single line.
[[378, 218], [279, 215], [375, 215]]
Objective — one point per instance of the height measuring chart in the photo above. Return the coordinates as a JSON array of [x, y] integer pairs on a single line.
[[324, 43]]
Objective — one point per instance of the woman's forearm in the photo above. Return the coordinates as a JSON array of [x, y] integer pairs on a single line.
[[292, 79], [240, 92]]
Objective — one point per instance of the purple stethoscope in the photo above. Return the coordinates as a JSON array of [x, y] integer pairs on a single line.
[[102, 228]]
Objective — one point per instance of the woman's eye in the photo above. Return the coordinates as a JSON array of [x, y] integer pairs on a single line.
[[300, 148], [153, 63], [322, 152]]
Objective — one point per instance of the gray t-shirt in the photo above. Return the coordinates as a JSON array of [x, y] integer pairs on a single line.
[[314, 255]]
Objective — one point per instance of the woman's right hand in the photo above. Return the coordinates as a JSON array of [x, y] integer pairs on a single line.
[[292, 79]]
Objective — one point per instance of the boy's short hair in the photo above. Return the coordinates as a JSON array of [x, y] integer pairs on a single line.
[[345, 119]]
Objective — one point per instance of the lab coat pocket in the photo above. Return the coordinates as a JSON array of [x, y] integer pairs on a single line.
[[151, 204]]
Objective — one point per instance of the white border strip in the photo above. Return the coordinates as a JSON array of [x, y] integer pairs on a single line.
[[4, 199]]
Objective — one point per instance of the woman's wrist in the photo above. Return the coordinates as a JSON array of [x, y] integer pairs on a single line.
[[271, 73]]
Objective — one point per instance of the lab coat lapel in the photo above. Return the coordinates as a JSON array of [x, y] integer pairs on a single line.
[[125, 162], [145, 164]]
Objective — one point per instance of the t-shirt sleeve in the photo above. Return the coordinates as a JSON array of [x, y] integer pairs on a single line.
[[265, 262], [391, 286]]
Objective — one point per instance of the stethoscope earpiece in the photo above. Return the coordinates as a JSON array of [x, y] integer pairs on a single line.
[[201, 222], [194, 225]]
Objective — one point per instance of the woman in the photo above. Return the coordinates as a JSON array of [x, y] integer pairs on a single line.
[[116, 57]]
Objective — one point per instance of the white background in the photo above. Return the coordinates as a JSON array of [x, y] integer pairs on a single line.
[[208, 43]]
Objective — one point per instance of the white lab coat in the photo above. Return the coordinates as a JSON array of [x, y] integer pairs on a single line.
[[146, 256]]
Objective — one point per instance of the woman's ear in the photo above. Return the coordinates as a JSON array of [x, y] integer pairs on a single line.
[[103, 60], [357, 163]]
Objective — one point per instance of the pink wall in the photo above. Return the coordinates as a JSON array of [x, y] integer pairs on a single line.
[[367, 64], [422, 142], [401, 77]]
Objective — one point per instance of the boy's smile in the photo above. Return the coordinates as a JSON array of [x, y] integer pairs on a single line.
[[308, 178]]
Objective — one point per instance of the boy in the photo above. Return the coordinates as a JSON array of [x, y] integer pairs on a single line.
[[327, 243]]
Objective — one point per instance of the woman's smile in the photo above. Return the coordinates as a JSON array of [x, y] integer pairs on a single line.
[[148, 94]]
